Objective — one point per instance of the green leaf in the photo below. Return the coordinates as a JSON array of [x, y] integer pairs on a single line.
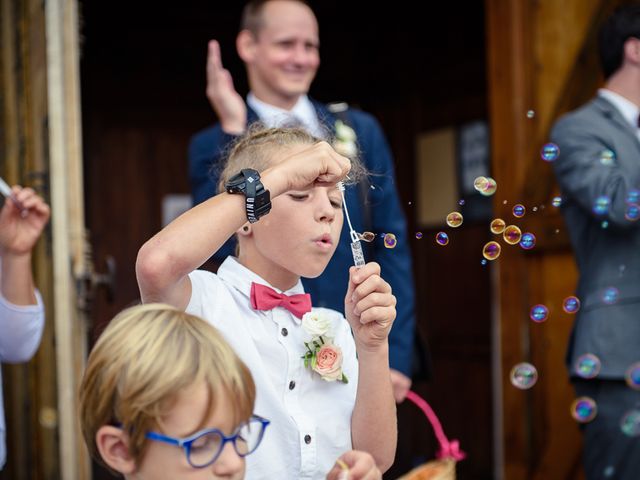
[[314, 362], [344, 379]]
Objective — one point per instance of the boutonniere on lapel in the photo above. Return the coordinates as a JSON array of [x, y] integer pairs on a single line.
[[322, 355], [345, 141]]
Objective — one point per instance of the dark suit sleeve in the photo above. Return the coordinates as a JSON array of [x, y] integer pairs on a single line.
[[584, 177], [207, 151], [387, 216]]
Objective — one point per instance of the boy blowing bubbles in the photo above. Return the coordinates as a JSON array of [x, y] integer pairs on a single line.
[[292, 231]]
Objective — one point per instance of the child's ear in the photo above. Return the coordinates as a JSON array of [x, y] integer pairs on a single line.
[[113, 445]]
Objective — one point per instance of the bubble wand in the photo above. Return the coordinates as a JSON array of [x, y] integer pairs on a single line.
[[5, 190], [356, 246]]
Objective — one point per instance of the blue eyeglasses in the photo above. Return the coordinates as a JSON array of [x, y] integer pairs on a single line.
[[204, 447]]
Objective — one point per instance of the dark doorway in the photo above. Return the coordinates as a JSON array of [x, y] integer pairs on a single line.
[[143, 85]]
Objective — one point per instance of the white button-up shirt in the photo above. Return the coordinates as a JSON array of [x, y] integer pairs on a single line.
[[20, 332], [310, 417], [303, 111]]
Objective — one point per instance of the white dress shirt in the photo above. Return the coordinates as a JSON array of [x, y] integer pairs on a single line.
[[629, 110], [20, 332], [303, 111], [310, 417]]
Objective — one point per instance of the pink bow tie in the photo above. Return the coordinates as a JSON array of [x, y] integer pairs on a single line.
[[266, 298]]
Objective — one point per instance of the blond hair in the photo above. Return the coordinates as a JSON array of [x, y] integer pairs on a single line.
[[143, 359], [258, 147]]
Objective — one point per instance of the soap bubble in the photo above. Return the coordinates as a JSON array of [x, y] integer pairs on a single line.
[[497, 226], [584, 409], [550, 152], [454, 219], [523, 376], [512, 235], [442, 238], [587, 366], [571, 304], [528, 241], [539, 313], [390, 240], [491, 250], [518, 210]]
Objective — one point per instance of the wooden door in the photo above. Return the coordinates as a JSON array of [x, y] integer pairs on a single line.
[[42, 148], [542, 62]]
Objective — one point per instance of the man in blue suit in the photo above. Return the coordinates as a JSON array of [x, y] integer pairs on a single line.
[[279, 45], [599, 173]]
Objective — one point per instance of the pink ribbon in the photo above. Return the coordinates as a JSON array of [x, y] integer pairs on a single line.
[[448, 449]]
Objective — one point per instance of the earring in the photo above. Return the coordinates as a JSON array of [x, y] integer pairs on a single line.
[[245, 228]]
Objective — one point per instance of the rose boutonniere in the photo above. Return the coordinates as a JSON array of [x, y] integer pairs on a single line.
[[322, 355], [345, 141]]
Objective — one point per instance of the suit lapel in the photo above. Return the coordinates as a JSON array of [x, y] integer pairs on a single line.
[[613, 114], [327, 119]]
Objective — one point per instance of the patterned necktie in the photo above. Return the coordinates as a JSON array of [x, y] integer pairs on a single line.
[[266, 298]]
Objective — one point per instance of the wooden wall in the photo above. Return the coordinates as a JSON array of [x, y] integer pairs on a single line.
[[541, 57], [29, 389]]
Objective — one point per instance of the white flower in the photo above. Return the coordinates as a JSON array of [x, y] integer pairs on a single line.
[[344, 132], [346, 149], [315, 324]]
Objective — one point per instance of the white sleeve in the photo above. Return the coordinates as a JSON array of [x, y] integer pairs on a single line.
[[21, 328]]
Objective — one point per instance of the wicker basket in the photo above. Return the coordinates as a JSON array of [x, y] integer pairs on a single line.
[[445, 467]]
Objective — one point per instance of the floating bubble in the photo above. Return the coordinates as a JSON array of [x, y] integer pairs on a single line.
[[601, 205], [483, 261], [535, 209], [512, 234], [571, 304], [610, 295], [539, 313], [609, 471], [633, 196], [607, 158], [442, 238], [632, 376], [556, 201], [491, 250], [604, 224], [390, 240], [497, 226], [584, 409], [531, 114], [630, 423], [461, 202], [633, 212], [527, 241], [518, 210], [480, 183], [550, 152], [367, 236], [587, 366], [490, 188], [523, 376], [418, 235], [454, 219]]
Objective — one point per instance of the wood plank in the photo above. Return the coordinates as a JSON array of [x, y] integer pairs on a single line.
[[67, 225]]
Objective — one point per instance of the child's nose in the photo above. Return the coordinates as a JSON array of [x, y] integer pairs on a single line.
[[229, 463], [325, 211]]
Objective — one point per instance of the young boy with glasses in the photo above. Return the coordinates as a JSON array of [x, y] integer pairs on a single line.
[[165, 397]]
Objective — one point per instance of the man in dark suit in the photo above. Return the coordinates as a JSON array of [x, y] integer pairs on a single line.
[[599, 173], [279, 45]]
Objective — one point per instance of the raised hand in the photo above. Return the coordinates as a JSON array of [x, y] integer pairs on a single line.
[[222, 95], [21, 226], [369, 306]]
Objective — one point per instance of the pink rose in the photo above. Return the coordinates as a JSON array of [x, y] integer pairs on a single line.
[[329, 362]]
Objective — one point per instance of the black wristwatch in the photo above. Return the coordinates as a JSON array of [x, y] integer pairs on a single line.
[[258, 200]]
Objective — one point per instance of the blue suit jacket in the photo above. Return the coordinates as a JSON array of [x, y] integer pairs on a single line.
[[386, 215], [607, 257]]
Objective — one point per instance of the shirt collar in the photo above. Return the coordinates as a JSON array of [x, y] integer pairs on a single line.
[[272, 116], [233, 273], [626, 107]]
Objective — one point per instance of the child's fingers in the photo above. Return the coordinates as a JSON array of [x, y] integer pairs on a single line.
[[361, 466], [374, 299], [373, 284], [383, 316]]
